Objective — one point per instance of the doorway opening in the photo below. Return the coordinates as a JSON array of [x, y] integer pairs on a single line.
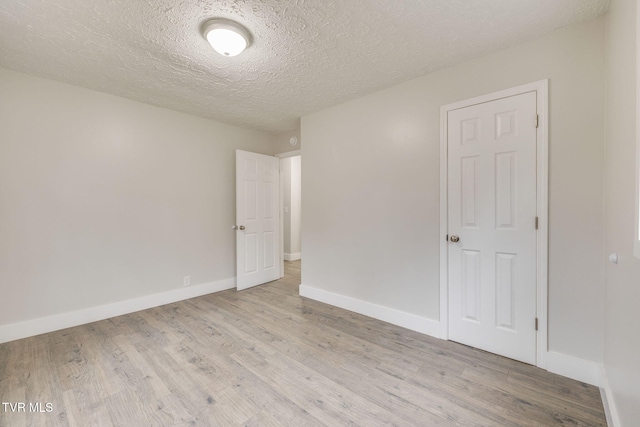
[[291, 210]]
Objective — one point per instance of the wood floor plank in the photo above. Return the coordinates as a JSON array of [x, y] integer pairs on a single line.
[[324, 399], [267, 357]]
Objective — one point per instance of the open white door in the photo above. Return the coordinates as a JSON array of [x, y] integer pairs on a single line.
[[257, 219], [492, 226]]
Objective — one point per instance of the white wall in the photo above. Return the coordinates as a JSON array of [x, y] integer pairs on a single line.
[[103, 199], [622, 339], [282, 141], [285, 177], [371, 185], [291, 185], [296, 204]]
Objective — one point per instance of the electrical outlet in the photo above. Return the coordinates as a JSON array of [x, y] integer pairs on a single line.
[[186, 281]]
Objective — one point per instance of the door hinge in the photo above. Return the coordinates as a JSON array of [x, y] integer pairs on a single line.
[[537, 223], [536, 323], [537, 120]]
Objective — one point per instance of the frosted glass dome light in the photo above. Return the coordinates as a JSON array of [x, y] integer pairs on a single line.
[[228, 38]]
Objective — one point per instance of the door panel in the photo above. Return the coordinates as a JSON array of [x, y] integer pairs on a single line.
[[492, 209], [257, 202]]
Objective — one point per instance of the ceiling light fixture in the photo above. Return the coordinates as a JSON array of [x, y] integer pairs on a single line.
[[228, 38]]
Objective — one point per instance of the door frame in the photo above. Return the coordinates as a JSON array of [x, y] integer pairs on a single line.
[[541, 88], [283, 156]]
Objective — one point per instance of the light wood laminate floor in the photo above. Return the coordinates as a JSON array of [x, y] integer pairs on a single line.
[[267, 357]]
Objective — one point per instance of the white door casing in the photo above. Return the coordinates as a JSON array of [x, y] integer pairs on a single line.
[[493, 190], [257, 219]]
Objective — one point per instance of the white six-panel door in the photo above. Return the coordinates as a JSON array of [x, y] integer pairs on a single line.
[[492, 211], [257, 219]]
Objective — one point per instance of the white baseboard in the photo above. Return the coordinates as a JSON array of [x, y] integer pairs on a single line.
[[613, 420], [400, 318], [293, 257], [573, 367], [29, 328]]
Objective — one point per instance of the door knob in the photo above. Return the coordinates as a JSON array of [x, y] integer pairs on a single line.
[[238, 227], [454, 239]]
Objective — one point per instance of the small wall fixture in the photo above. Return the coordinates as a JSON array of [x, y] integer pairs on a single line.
[[228, 38]]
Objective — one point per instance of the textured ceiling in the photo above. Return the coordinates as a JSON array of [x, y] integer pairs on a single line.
[[307, 54]]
